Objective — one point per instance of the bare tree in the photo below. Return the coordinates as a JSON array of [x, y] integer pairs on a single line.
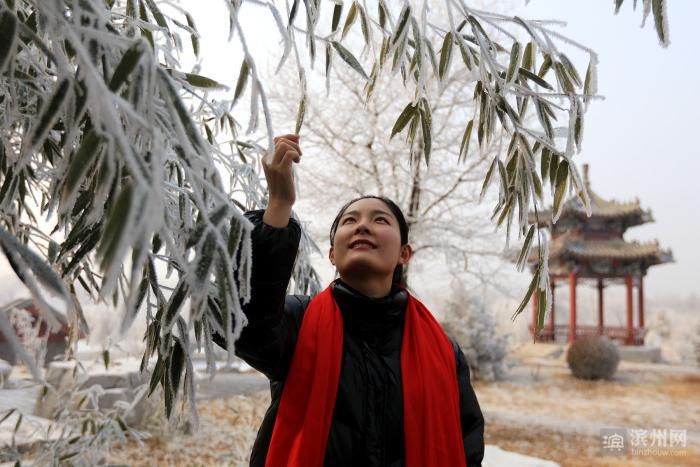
[[350, 154], [105, 136]]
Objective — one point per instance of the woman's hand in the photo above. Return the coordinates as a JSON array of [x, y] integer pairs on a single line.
[[280, 180]]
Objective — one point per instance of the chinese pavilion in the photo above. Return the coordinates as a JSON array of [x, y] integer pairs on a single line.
[[592, 250]]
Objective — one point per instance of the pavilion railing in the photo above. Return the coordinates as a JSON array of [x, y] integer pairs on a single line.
[[616, 333]]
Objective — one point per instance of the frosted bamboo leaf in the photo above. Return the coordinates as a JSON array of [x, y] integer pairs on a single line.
[[123, 209]]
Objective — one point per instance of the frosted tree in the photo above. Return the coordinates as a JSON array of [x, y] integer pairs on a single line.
[[474, 328], [111, 179], [352, 154]]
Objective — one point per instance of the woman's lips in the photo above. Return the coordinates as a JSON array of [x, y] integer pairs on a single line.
[[362, 245]]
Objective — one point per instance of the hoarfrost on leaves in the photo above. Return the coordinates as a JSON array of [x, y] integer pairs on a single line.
[[474, 328], [106, 140]]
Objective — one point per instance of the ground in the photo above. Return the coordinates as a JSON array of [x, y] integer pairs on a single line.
[[540, 410]]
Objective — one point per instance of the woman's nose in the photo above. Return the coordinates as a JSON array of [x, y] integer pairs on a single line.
[[362, 226]]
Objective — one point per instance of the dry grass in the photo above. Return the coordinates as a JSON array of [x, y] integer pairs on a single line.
[[540, 412]]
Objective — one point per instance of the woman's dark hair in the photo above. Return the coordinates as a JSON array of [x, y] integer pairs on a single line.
[[403, 228]]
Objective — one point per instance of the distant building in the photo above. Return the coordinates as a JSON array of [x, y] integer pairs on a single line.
[[56, 343], [593, 250]]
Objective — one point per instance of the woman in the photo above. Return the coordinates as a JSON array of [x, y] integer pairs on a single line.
[[360, 375]]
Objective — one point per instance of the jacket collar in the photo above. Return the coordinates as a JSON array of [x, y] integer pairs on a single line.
[[370, 316]]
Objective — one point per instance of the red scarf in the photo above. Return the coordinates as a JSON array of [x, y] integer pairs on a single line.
[[432, 430]]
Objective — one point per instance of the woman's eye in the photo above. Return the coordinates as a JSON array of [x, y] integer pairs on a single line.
[[383, 219], [348, 219]]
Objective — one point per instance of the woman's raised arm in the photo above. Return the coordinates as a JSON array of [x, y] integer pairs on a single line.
[[267, 342]]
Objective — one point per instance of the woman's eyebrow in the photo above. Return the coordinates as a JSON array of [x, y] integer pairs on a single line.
[[373, 212]]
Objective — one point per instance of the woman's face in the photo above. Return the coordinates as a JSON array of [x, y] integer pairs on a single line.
[[368, 241]]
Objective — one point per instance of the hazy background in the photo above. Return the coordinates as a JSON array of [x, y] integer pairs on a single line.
[[639, 141]]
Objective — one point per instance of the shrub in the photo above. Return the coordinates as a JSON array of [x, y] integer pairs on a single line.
[[593, 357], [468, 321]]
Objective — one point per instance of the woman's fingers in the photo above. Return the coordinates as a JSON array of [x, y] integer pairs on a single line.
[[285, 145], [291, 137], [292, 155], [286, 150]]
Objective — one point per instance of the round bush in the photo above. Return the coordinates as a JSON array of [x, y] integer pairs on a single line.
[[593, 357]]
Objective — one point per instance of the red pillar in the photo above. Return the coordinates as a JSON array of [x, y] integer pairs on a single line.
[[572, 307], [640, 299], [551, 312], [630, 309], [601, 323]]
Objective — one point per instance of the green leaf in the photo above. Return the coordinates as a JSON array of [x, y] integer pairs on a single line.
[[445, 55], [535, 78], [560, 185], [401, 26], [522, 258], [200, 81], [352, 14], [426, 120], [49, 113], [349, 59], [618, 4], [528, 294], [15, 250], [588, 82], [544, 163], [541, 308], [364, 23], [337, 12], [404, 117], [174, 303], [570, 69], [293, 12], [514, 61], [177, 364], [464, 147], [126, 65], [543, 116], [79, 165], [657, 8], [300, 114], [563, 78], [160, 19], [156, 376], [553, 167], [242, 80], [529, 57], [546, 65], [193, 37], [115, 230], [143, 14], [183, 114], [105, 358], [381, 11], [487, 178], [8, 34], [578, 125], [537, 184]]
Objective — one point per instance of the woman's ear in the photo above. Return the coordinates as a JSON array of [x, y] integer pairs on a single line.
[[331, 256], [406, 253]]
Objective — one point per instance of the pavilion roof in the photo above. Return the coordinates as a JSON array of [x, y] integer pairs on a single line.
[[600, 207], [568, 246]]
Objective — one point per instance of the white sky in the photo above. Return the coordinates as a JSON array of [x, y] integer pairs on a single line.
[[639, 141]]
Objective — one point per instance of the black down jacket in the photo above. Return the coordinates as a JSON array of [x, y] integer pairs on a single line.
[[367, 425]]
